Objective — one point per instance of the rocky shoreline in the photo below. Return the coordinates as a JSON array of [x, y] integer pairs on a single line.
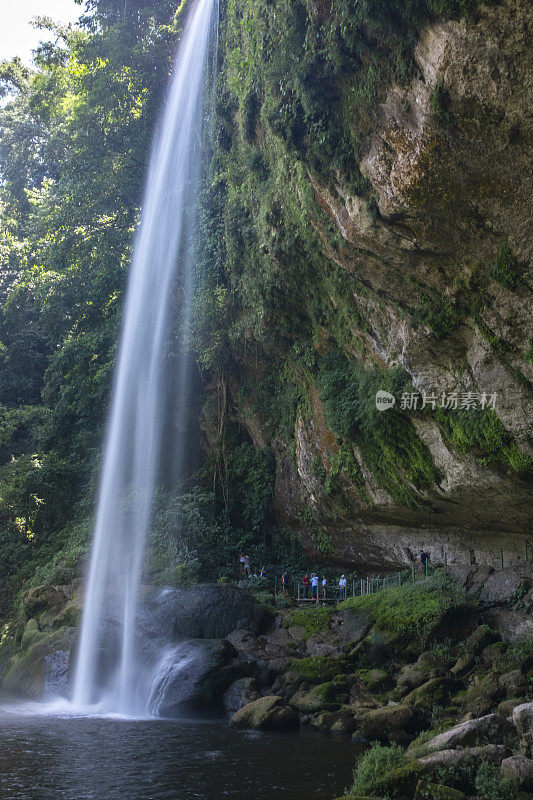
[[439, 672]]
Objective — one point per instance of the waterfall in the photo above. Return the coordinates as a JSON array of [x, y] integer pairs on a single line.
[[163, 258]]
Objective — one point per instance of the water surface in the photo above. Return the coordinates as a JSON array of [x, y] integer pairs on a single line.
[[49, 758]]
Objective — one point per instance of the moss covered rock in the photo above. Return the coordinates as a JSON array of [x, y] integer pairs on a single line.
[[267, 713], [485, 730], [44, 598], [435, 692], [43, 668], [319, 669], [385, 724], [436, 791]]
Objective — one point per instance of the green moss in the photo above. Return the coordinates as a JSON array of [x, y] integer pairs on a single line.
[[412, 609], [319, 669], [387, 440], [504, 270], [482, 431], [312, 619], [438, 313]]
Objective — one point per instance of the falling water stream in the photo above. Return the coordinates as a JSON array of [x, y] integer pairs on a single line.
[[162, 265]]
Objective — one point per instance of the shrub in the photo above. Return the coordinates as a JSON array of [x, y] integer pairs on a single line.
[[482, 779], [374, 765], [504, 269], [489, 783]]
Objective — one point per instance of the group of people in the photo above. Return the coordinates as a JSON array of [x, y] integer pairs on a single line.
[[312, 583]]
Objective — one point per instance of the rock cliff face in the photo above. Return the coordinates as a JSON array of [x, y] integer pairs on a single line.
[[435, 259]]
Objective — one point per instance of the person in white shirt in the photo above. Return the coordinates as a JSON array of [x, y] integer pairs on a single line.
[[324, 585], [342, 587]]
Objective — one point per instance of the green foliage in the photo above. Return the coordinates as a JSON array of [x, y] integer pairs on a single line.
[[412, 609], [483, 432], [377, 764], [74, 136], [483, 779], [438, 313], [387, 439], [504, 270], [490, 783]]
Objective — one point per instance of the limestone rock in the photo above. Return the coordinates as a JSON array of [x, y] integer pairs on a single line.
[[489, 729], [519, 769], [515, 683], [506, 707], [342, 722], [383, 724], [435, 762], [412, 676], [514, 626], [378, 680], [267, 713], [501, 587], [435, 692], [482, 694], [205, 611], [523, 722]]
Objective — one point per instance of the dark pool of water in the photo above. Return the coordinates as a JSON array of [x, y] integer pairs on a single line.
[[48, 758]]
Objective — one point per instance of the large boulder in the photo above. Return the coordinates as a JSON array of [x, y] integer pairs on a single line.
[[267, 713], [515, 683], [44, 669], [519, 769], [41, 598], [412, 675], [444, 760], [205, 611], [342, 721], [514, 626], [486, 730], [523, 722], [392, 723], [483, 695], [193, 674], [435, 692], [501, 587], [326, 696]]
